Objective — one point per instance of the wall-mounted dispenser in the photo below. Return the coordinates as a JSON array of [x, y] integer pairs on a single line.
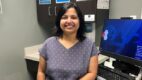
[[90, 30]]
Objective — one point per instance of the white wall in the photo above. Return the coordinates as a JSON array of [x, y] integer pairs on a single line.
[[18, 29], [125, 8], [121, 8]]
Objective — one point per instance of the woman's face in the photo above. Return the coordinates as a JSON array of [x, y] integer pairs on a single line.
[[69, 22]]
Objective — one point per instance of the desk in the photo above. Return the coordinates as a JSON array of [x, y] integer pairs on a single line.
[[32, 53], [32, 58]]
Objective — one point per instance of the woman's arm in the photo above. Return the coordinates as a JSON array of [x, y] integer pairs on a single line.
[[92, 71], [41, 69]]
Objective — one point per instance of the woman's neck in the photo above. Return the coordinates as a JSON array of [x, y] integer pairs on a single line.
[[68, 41], [69, 37]]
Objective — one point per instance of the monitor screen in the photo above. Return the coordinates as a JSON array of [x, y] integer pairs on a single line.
[[122, 39]]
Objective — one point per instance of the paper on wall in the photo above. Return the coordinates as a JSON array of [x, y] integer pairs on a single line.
[[103, 4]]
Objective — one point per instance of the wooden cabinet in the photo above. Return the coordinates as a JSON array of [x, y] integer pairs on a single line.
[[46, 13], [88, 7]]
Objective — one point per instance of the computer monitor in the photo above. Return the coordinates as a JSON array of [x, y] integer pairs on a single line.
[[122, 39]]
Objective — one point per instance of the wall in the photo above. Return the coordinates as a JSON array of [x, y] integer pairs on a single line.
[[125, 8], [118, 9], [18, 29]]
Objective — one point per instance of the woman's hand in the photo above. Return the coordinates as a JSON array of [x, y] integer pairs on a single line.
[[41, 69], [92, 71]]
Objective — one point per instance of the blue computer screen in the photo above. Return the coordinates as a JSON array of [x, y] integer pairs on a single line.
[[122, 37]]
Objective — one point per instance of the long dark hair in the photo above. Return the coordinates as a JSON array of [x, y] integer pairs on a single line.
[[81, 31]]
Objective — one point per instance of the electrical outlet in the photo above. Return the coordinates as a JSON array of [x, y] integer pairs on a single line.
[[134, 16]]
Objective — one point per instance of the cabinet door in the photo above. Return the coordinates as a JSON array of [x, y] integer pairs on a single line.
[[88, 6], [45, 14], [57, 5]]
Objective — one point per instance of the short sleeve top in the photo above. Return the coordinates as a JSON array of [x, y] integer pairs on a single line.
[[67, 64]]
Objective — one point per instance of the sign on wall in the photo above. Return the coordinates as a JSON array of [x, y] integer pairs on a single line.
[[81, 0], [62, 1], [103, 4], [41, 2]]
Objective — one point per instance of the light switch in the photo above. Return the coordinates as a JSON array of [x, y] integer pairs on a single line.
[[89, 17], [134, 16]]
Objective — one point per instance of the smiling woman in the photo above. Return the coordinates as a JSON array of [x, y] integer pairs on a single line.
[[68, 55], [70, 22]]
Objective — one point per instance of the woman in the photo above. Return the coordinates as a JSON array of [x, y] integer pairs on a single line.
[[69, 55]]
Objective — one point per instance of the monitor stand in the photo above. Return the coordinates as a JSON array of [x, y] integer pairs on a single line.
[[108, 63], [126, 67], [139, 77]]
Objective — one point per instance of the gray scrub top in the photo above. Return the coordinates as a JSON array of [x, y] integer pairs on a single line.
[[67, 64]]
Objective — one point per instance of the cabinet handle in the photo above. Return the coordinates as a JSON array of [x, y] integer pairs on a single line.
[[49, 13], [55, 10]]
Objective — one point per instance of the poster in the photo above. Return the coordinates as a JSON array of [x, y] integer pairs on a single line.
[[103, 4], [62, 1], [44, 2], [81, 0]]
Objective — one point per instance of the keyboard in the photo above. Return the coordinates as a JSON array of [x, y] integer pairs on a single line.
[[105, 73]]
